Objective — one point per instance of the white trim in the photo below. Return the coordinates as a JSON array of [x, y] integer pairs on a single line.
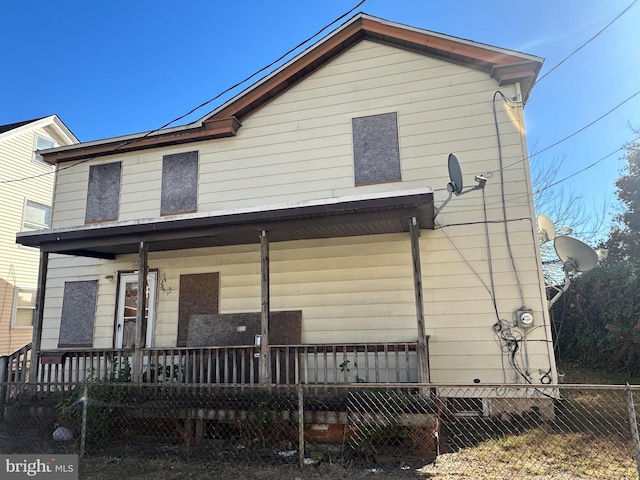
[[152, 282], [50, 121], [36, 157], [24, 215]]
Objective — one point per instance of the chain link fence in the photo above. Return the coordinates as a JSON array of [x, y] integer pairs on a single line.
[[434, 431]]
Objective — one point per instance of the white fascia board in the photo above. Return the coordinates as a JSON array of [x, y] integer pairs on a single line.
[[64, 131], [50, 121]]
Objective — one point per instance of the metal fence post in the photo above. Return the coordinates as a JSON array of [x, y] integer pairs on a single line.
[[83, 430], [3, 379], [300, 426], [633, 424]]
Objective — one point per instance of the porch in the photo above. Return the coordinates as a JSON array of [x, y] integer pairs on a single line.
[[203, 354], [313, 365]]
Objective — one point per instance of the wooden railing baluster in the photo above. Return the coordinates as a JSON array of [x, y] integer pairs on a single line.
[[318, 365]]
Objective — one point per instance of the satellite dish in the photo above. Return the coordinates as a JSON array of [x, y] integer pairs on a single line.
[[576, 255], [547, 229], [455, 182], [455, 175]]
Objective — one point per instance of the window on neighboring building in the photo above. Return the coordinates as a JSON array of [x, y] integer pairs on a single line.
[[179, 183], [36, 216], [42, 143], [25, 306], [103, 193], [376, 149]]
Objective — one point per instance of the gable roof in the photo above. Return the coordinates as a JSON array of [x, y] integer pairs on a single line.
[[505, 66], [11, 126], [52, 120]]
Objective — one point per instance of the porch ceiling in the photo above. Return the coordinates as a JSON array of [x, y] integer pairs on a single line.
[[344, 217]]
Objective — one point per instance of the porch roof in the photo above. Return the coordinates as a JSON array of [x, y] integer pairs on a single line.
[[325, 218]]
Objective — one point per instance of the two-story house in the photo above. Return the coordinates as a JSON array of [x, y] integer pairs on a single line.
[[293, 234], [26, 183]]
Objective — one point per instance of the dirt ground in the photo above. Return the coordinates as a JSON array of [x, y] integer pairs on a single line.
[[468, 464], [135, 469]]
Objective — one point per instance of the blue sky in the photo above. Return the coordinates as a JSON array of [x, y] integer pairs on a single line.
[[120, 67]]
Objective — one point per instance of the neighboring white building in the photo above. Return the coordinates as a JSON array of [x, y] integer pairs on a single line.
[[340, 158], [26, 207]]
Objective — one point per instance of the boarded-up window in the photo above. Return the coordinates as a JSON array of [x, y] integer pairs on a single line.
[[229, 329], [375, 149], [103, 193], [179, 183], [78, 314], [199, 295]]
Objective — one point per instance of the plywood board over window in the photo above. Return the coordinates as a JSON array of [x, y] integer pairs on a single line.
[[179, 183], [103, 193], [78, 314], [376, 152], [199, 295], [231, 329]]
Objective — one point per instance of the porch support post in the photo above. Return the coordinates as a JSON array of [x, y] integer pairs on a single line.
[[141, 334], [38, 315], [422, 354], [265, 353]]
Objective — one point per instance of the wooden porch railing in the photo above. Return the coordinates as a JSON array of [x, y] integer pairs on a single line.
[[14, 369], [290, 364]]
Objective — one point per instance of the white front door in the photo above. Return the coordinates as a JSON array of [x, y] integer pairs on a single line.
[[128, 307]]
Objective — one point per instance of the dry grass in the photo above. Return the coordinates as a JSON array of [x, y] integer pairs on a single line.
[[540, 454]]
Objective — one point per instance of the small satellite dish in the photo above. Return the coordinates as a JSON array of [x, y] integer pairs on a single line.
[[455, 182], [576, 255], [547, 229], [455, 175]]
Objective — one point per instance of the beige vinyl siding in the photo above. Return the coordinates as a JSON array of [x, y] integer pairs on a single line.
[[350, 290], [19, 265], [299, 148]]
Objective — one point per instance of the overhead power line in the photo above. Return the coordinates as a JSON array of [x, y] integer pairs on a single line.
[[524, 195], [568, 136], [203, 104], [588, 166], [587, 42]]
